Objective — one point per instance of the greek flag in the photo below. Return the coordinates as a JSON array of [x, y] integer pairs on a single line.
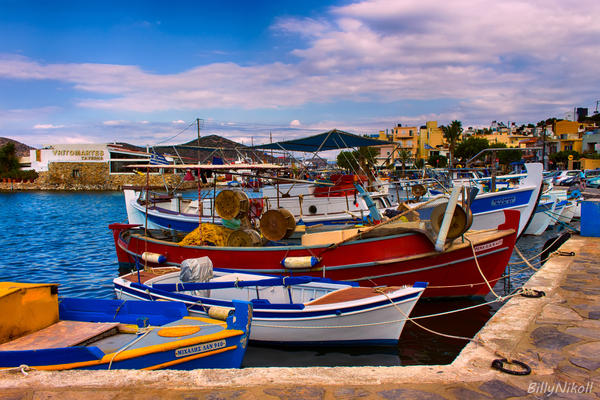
[[158, 159]]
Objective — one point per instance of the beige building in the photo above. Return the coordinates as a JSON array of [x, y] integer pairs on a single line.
[[100, 165]]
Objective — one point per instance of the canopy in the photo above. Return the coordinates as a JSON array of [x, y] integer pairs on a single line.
[[331, 140]]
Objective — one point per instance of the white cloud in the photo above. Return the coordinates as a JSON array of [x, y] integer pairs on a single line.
[[47, 126], [295, 123], [114, 123], [515, 59]]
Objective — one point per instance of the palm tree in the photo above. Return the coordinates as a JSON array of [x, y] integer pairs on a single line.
[[452, 134], [404, 156]]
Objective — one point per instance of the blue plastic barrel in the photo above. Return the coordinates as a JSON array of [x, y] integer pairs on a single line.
[[590, 215]]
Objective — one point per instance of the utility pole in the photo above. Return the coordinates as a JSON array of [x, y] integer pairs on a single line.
[[198, 121]]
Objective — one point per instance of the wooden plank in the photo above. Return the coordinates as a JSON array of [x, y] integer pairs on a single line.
[[61, 334], [349, 294], [145, 276]]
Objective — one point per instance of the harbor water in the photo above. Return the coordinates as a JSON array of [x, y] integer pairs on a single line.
[[63, 237]]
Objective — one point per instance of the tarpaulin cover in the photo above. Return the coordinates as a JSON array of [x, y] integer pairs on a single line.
[[331, 140]]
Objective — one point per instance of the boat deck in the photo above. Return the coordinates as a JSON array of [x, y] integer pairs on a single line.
[[351, 293], [62, 334], [151, 273]]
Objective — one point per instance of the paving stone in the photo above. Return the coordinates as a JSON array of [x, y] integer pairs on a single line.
[[586, 333], [594, 315], [401, 394], [569, 373], [501, 390], [570, 288], [548, 337], [586, 349], [351, 393], [468, 394], [589, 364], [553, 313], [15, 395], [297, 393], [80, 394]]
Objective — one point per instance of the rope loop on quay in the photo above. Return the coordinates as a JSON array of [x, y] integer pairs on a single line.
[[532, 293], [499, 365]]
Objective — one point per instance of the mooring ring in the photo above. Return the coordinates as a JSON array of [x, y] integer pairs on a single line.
[[499, 365]]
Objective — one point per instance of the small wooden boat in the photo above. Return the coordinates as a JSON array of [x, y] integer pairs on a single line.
[[40, 331], [290, 310]]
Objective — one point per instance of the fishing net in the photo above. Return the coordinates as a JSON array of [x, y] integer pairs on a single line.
[[211, 234]]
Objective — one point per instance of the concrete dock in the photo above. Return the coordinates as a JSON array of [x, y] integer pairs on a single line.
[[557, 336]]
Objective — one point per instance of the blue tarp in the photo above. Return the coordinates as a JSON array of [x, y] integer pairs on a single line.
[[331, 140]]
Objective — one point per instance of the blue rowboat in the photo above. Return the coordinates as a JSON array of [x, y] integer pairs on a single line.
[[44, 332]]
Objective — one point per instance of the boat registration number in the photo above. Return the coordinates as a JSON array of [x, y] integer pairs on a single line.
[[488, 246], [200, 348]]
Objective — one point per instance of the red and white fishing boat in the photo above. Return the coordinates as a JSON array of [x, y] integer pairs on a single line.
[[393, 254]]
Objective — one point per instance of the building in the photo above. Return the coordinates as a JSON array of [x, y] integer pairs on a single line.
[[90, 164], [431, 140]]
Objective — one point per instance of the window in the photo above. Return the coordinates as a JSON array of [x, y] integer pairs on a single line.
[[76, 173]]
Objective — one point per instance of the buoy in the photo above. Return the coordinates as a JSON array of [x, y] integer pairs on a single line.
[[220, 313], [153, 257], [277, 224], [300, 262]]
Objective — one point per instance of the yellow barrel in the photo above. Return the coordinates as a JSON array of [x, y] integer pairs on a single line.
[[230, 204], [277, 224]]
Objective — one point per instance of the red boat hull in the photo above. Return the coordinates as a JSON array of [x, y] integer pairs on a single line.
[[392, 260]]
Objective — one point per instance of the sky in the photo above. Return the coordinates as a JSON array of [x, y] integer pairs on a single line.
[[143, 72]]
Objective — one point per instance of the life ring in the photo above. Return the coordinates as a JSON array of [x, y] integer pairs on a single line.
[[256, 208]]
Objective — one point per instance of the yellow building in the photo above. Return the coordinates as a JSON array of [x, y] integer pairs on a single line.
[[569, 135], [431, 138], [504, 137], [407, 138]]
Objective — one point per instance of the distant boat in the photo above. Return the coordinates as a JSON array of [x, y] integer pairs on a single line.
[[309, 203], [289, 310], [543, 215], [39, 331]]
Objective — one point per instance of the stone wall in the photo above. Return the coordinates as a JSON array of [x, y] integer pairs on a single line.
[[94, 176]]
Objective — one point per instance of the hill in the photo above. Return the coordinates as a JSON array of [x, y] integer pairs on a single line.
[[21, 149], [210, 146]]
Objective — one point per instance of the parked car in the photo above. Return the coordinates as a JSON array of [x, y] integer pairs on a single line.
[[567, 174], [593, 182]]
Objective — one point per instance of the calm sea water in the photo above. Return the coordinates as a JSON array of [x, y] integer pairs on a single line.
[[64, 238]]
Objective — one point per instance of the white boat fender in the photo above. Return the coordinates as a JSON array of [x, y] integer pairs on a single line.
[[153, 257], [220, 313], [300, 262]]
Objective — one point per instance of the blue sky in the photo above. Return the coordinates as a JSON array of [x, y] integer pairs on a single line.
[[142, 71]]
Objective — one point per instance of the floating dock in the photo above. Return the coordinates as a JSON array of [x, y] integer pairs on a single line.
[[557, 336]]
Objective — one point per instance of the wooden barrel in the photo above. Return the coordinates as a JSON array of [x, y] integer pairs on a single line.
[[243, 238], [229, 204], [277, 224], [459, 224]]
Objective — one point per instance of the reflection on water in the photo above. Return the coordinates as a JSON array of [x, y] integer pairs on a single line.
[[64, 238]]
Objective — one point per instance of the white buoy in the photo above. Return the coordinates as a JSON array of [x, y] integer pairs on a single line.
[[153, 257]]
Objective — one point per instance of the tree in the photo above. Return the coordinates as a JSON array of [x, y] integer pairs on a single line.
[[361, 159], [508, 156], [404, 156], [8, 159], [437, 161], [470, 147], [562, 157], [452, 134]]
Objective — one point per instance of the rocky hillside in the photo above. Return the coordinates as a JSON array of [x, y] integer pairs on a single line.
[[211, 145], [22, 149]]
